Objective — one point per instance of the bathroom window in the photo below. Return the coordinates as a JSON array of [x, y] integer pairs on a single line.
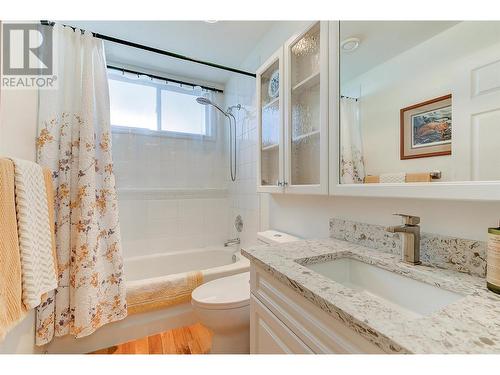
[[142, 106]]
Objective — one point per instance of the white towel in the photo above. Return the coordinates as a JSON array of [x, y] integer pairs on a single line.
[[391, 178], [35, 241]]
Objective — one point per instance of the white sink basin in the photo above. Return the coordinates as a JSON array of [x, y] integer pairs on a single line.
[[412, 296]]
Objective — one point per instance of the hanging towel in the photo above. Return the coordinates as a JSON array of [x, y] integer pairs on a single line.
[[35, 238], [49, 187], [372, 179], [418, 177], [391, 178], [410, 177], [160, 292], [12, 309]]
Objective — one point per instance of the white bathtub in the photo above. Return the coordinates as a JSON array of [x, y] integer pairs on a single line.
[[214, 262]]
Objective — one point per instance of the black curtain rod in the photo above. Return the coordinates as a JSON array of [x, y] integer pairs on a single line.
[[159, 51], [163, 78]]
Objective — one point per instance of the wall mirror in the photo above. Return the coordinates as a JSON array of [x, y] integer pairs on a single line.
[[418, 105]]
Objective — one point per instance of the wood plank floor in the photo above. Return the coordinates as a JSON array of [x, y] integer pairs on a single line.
[[195, 339]]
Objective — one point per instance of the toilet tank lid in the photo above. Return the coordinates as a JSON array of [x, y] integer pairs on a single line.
[[275, 237]]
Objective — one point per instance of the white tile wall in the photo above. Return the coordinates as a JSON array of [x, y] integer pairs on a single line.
[[243, 196], [155, 219], [153, 226]]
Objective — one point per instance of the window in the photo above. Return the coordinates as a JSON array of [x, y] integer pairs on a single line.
[[147, 107]]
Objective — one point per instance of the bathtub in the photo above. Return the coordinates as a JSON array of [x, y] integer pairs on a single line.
[[214, 262]]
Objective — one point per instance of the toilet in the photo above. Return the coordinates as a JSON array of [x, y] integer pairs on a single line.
[[223, 305]]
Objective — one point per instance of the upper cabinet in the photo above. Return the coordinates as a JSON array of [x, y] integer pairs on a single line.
[[270, 129], [293, 155]]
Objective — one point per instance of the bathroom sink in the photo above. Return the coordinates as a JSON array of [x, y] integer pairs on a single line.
[[412, 296]]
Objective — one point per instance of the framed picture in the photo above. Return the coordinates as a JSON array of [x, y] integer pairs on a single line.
[[426, 129]]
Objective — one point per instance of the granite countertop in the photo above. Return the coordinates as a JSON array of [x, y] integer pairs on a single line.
[[469, 325]]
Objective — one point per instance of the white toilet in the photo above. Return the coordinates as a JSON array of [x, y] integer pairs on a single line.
[[223, 305]]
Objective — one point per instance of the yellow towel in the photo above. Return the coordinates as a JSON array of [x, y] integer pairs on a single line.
[[372, 179], [418, 177], [410, 177], [12, 310], [148, 295]]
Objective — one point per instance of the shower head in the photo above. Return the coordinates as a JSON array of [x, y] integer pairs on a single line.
[[232, 133], [204, 101]]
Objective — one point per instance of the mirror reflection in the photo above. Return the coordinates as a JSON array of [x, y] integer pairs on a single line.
[[419, 101]]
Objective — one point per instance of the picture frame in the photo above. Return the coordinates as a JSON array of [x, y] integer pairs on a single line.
[[426, 129]]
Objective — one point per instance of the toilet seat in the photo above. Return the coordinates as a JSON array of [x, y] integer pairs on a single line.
[[222, 294]]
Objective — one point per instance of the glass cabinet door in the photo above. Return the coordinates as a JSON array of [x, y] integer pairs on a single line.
[[307, 116], [269, 88]]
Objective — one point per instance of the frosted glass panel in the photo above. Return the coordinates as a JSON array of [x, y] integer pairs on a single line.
[[270, 125], [305, 56], [132, 105], [305, 109], [270, 110], [181, 113]]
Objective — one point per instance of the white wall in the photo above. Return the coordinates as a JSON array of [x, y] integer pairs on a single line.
[[242, 193], [307, 216], [18, 116]]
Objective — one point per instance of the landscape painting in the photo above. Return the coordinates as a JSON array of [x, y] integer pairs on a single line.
[[431, 128], [426, 129]]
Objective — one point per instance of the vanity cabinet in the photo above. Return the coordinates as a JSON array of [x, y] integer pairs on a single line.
[[282, 321], [293, 119]]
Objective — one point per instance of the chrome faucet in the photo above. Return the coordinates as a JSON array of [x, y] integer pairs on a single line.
[[231, 242], [410, 235]]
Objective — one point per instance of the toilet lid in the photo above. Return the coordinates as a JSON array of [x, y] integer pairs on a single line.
[[224, 293]]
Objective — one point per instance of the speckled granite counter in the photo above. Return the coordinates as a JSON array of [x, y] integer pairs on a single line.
[[470, 325]]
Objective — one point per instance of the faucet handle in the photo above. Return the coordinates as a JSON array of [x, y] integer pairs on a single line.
[[409, 219]]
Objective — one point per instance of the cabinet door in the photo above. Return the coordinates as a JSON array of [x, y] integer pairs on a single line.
[[306, 119], [268, 335], [270, 124]]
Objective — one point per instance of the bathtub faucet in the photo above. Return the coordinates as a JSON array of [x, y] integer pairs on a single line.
[[234, 241]]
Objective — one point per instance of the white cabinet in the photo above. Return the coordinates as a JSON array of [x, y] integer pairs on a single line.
[[293, 120], [269, 335], [282, 321], [270, 158]]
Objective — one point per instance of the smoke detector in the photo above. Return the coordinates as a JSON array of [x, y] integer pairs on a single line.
[[350, 44]]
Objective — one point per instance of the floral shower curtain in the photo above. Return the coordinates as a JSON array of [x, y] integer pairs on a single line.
[[74, 142], [352, 164]]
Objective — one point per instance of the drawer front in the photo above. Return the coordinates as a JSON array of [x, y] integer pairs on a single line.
[[318, 330], [268, 335]]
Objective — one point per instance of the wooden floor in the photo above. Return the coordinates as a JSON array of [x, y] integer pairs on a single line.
[[195, 339]]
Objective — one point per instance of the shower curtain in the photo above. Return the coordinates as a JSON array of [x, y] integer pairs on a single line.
[[74, 141], [352, 168]]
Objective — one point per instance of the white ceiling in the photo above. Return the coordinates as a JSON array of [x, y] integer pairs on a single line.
[[383, 40], [225, 42]]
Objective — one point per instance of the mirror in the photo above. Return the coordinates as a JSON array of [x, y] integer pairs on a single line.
[[419, 101]]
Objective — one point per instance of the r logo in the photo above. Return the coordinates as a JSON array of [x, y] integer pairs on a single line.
[[27, 49]]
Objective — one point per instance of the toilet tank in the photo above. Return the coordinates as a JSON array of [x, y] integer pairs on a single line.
[[270, 237]]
